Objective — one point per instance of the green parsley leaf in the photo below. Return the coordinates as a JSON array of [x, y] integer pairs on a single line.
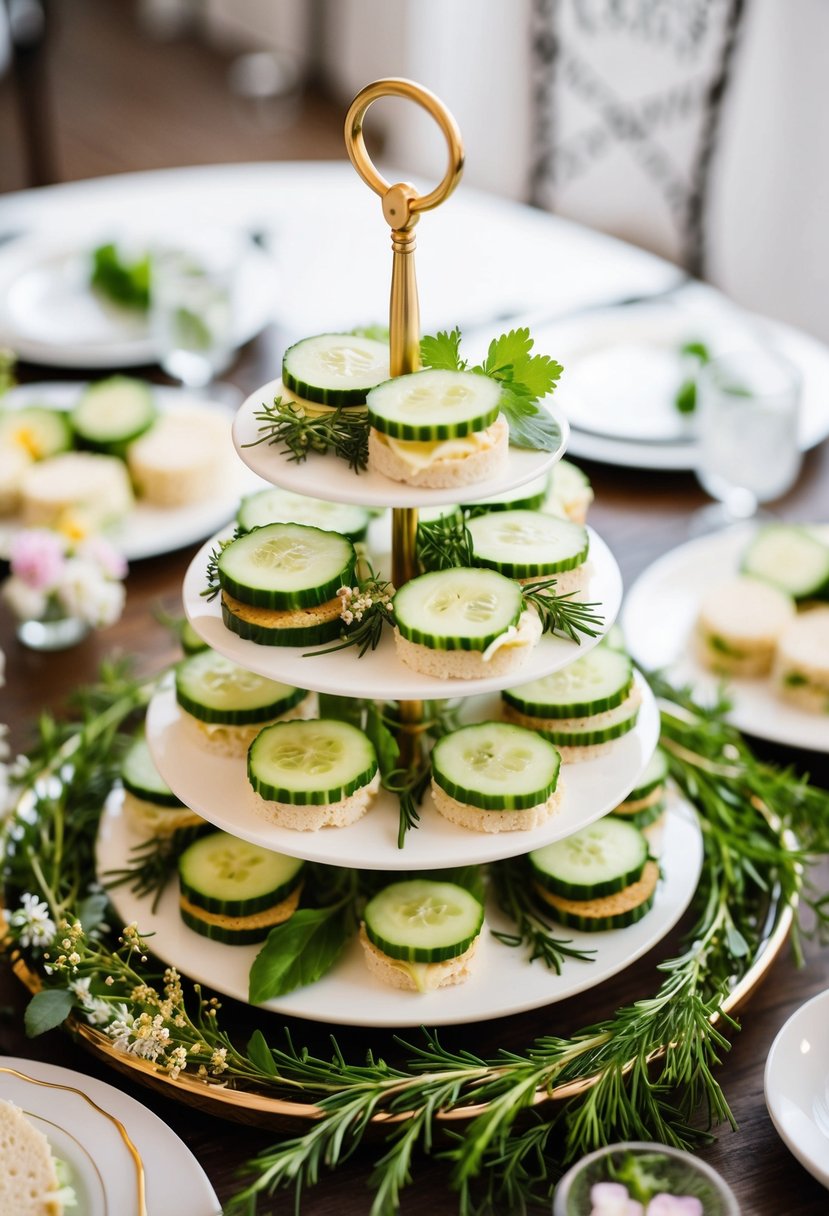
[[443, 351], [299, 951]]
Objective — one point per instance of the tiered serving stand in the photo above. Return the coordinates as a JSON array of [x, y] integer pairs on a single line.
[[216, 787]]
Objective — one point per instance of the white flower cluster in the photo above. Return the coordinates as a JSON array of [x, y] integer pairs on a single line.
[[50, 575], [32, 922], [355, 603]]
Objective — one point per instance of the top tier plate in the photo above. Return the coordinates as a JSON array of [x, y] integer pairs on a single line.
[[330, 478], [379, 674]]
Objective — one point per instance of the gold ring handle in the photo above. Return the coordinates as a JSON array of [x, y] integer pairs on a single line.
[[401, 203]]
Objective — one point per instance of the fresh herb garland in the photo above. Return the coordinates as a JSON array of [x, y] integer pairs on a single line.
[[644, 1073]]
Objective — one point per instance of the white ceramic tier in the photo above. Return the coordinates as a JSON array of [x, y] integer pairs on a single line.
[[329, 477], [379, 674], [217, 788], [503, 981]]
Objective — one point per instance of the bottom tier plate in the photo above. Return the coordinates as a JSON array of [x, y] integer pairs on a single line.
[[503, 981]]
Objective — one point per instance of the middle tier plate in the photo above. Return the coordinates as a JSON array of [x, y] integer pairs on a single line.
[[379, 674], [217, 788]]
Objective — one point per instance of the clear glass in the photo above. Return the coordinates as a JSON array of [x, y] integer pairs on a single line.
[[628, 1178], [192, 306], [747, 411], [58, 633]]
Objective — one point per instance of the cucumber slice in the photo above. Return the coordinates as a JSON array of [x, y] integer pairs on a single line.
[[569, 484], [592, 738], [598, 860], [644, 818], [529, 497], [282, 506], [229, 877], [191, 642], [655, 775], [277, 629], [457, 609], [496, 766], [140, 776], [213, 689], [790, 558], [593, 684], [431, 405], [422, 921], [38, 430], [335, 369], [113, 413], [615, 911], [525, 544], [310, 763], [286, 566]]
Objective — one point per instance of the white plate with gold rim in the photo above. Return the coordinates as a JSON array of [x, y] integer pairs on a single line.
[[796, 1084], [148, 530], [123, 1160], [502, 982], [217, 788]]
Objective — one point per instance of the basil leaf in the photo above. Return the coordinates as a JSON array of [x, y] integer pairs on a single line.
[[385, 744], [260, 1054], [46, 1010], [298, 952], [530, 425]]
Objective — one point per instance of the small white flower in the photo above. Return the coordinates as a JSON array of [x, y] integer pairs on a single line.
[[27, 603], [85, 593], [34, 922]]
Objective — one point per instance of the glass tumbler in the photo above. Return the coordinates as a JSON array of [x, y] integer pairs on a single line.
[[748, 452], [192, 307]]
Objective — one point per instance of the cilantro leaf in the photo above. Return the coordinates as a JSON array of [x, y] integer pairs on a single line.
[[443, 351], [530, 424]]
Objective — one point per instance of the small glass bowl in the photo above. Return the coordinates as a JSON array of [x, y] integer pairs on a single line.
[[644, 1171]]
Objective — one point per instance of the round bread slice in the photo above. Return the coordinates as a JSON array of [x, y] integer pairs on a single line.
[[417, 977], [225, 740], [477, 820], [801, 666], [486, 460], [573, 752], [497, 659], [14, 461], [86, 487], [738, 626], [29, 1182], [152, 819], [181, 458], [610, 912], [312, 817]]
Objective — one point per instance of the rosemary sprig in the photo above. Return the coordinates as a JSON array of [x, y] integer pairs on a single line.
[[212, 571], [410, 785], [344, 432], [444, 543], [513, 893], [152, 863], [561, 614]]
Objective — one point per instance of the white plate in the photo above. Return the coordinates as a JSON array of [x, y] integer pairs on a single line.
[[93, 1145], [622, 368], [658, 618], [797, 1085], [331, 478], [503, 982], [50, 315], [379, 674], [217, 788], [148, 530]]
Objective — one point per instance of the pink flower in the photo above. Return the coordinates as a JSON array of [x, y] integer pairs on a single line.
[[100, 552], [612, 1199], [37, 557], [675, 1205]]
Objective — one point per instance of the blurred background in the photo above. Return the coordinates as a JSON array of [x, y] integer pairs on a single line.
[[695, 128]]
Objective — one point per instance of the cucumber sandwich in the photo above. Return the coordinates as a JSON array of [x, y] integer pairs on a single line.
[[463, 624], [437, 428], [313, 774], [333, 371], [279, 584], [276, 506], [801, 665], [584, 708], [599, 878], [528, 546], [421, 934], [739, 624], [149, 804], [235, 892], [495, 777], [645, 803], [570, 493], [228, 705]]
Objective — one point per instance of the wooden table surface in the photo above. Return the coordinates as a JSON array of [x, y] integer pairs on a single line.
[[641, 515]]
